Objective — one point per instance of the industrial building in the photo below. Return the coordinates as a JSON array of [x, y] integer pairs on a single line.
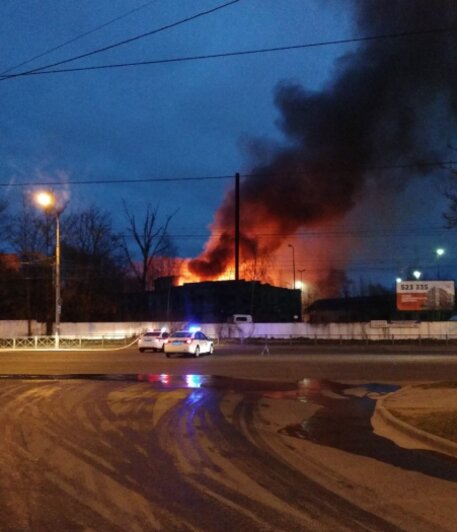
[[217, 301]]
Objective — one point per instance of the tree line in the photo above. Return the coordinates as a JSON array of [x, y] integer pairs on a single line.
[[105, 275]]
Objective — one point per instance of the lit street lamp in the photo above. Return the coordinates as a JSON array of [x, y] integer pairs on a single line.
[[417, 274], [439, 253], [301, 275], [302, 284], [48, 202], [293, 263]]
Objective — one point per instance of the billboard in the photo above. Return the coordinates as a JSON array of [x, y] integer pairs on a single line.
[[425, 295]]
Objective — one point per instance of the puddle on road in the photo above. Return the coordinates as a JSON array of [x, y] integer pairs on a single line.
[[306, 389], [165, 380], [344, 419], [344, 422]]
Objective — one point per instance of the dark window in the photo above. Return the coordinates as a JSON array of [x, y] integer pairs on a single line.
[[181, 335]]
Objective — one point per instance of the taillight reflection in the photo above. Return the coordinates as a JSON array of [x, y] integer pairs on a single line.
[[173, 381]]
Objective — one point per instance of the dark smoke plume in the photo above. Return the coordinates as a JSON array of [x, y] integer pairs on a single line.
[[392, 101]]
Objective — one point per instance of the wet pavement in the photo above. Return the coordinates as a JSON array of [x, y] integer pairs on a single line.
[[343, 420], [179, 452]]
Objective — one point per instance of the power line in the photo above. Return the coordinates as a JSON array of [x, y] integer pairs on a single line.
[[116, 181], [405, 230], [39, 70], [110, 181], [325, 234], [80, 36], [231, 54]]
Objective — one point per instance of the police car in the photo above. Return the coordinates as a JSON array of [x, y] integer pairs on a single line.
[[191, 341]]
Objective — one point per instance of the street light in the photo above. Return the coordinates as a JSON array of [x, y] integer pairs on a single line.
[[417, 274], [302, 284], [293, 263], [301, 275], [48, 202], [439, 253]]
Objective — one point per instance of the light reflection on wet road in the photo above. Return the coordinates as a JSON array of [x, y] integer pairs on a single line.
[[192, 452]]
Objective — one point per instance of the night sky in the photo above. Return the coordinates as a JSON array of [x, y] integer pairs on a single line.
[[218, 116]]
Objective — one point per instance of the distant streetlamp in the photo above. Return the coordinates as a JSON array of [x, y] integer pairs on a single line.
[[293, 263], [48, 202], [439, 253], [417, 274], [301, 275], [302, 284], [398, 279]]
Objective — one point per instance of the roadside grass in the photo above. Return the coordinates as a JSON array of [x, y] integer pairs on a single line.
[[442, 423]]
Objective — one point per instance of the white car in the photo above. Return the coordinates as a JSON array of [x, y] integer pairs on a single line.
[[153, 340], [188, 342]]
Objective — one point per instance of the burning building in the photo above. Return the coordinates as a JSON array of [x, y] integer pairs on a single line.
[[216, 302], [390, 104]]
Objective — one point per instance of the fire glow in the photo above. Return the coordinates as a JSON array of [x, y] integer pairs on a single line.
[[376, 110]]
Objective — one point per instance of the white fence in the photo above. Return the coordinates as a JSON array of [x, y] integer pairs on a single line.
[[15, 328], [373, 331], [337, 331]]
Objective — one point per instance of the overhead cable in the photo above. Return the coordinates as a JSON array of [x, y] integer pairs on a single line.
[[42, 69], [78, 37], [237, 53], [446, 165]]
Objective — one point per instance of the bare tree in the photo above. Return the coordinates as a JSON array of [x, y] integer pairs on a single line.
[[4, 221], [163, 266], [152, 240], [92, 266], [451, 194], [91, 232], [30, 232], [257, 269], [31, 235], [336, 283]]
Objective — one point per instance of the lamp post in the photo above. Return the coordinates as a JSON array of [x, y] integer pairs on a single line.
[[302, 286], [417, 274], [48, 202], [303, 289], [439, 253], [293, 263]]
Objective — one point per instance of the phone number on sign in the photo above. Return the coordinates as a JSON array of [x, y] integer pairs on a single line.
[[413, 287]]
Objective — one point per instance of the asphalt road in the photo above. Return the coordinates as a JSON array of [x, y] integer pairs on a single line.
[[127, 441], [384, 363]]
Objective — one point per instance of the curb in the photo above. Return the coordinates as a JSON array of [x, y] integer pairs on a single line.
[[435, 443]]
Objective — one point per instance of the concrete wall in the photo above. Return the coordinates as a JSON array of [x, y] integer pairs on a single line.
[[335, 331], [330, 331], [12, 328]]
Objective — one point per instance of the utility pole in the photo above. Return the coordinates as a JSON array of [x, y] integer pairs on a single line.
[[293, 264], [237, 226], [58, 302], [49, 202]]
